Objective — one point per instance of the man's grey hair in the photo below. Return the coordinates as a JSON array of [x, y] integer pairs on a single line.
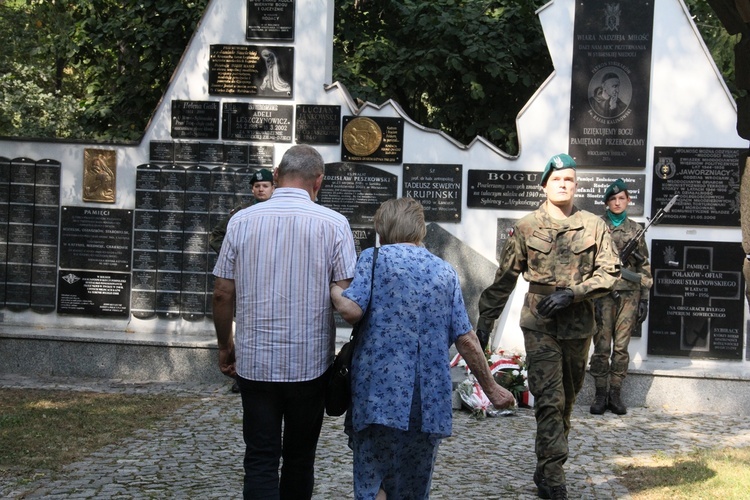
[[302, 161]]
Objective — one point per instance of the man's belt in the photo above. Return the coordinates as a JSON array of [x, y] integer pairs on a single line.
[[544, 289]]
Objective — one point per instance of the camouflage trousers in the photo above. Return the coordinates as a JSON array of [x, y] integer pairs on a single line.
[[616, 318], [556, 370]]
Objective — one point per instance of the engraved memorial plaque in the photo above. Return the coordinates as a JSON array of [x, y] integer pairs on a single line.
[[96, 239], [317, 124], [356, 191], [211, 153], [437, 187], [251, 70], [236, 154], [698, 298], [372, 139], [609, 99], [187, 152], [161, 151], [94, 294], [257, 122], [707, 181], [195, 119], [270, 19]]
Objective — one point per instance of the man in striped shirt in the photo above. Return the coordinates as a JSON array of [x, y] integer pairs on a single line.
[[277, 262]]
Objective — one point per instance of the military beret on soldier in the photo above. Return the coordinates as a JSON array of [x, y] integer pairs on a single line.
[[557, 162], [616, 187], [262, 175]]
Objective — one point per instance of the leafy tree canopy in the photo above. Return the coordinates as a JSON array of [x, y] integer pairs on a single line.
[[96, 69]]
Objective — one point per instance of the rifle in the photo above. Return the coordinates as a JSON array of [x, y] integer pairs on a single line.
[[629, 248]]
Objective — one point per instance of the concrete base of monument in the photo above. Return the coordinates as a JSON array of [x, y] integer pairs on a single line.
[[678, 384]]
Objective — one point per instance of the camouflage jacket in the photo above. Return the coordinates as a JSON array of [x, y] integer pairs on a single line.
[[217, 234], [635, 273], [576, 254]]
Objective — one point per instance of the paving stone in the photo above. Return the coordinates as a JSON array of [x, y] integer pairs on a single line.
[[197, 451]]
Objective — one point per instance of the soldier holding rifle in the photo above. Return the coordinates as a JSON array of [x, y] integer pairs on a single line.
[[619, 313]]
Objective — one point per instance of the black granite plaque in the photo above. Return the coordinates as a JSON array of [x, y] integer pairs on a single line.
[[270, 20], [364, 237], [251, 70], [261, 156], [187, 152], [93, 294], [143, 303], [591, 188], [609, 96], [45, 236], [707, 181], [437, 187], [257, 122], [697, 301], [46, 215], [211, 153], [145, 240], [236, 154], [147, 177], [317, 124], [161, 151], [356, 191], [96, 239], [372, 139], [196, 242], [47, 173], [505, 189], [144, 260], [195, 119]]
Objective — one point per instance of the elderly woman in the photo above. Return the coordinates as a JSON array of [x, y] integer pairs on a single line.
[[401, 384]]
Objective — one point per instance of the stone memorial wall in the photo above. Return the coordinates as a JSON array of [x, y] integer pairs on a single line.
[[257, 79]]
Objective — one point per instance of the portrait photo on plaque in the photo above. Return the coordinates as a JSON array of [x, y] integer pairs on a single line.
[[99, 175], [372, 139], [270, 20], [251, 70], [609, 98], [698, 299]]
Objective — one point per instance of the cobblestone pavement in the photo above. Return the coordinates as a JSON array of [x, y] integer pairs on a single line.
[[197, 451]]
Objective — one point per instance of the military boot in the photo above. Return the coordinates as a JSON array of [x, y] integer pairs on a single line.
[[559, 492], [615, 404], [600, 401]]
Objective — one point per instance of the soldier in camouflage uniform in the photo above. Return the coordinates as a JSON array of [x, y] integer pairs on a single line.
[[568, 259], [622, 311]]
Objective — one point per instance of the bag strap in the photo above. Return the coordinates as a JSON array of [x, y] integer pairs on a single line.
[[355, 329]]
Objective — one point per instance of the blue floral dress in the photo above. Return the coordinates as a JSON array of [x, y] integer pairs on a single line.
[[401, 383]]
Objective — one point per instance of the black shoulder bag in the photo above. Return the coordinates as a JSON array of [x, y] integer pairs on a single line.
[[339, 390]]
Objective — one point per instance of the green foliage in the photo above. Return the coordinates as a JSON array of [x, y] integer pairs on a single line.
[[107, 62], [719, 42], [465, 67]]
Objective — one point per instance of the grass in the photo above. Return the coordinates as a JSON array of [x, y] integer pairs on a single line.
[[719, 473], [43, 430]]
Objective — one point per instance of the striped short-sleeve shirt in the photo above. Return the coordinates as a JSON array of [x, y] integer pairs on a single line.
[[282, 255]]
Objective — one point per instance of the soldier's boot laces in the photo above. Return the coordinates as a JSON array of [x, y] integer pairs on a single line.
[[615, 403], [600, 401], [559, 492]]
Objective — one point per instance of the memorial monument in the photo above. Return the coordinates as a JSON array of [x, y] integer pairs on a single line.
[[105, 242]]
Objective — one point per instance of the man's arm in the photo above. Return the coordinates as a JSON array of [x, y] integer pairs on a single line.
[[493, 299], [223, 313]]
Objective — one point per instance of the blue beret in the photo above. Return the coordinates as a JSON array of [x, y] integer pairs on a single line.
[[557, 162], [616, 187]]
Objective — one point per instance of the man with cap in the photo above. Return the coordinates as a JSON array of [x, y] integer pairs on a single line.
[[262, 183], [618, 314], [568, 259]]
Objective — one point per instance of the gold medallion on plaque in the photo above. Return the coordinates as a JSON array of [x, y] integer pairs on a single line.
[[99, 175], [362, 136]]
